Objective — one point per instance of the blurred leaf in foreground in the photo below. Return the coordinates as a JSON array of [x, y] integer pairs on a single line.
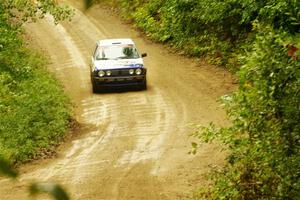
[[53, 190], [88, 3], [6, 169]]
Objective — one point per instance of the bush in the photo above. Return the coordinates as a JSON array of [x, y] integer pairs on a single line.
[[34, 111], [264, 139]]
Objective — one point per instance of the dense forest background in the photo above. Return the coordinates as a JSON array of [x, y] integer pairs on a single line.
[[260, 41]]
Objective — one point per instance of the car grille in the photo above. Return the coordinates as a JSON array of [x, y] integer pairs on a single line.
[[120, 72]]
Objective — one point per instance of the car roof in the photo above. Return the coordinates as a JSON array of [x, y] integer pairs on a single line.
[[110, 42]]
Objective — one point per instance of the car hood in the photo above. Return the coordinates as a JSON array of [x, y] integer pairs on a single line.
[[118, 64]]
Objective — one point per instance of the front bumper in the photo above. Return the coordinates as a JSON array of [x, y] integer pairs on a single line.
[[119, 81]]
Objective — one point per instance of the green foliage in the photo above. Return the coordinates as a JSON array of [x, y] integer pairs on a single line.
[[34, 110], [21, 11], [264, 139], [218, 30]]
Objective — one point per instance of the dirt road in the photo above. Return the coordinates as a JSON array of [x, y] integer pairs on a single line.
[[130, 145]]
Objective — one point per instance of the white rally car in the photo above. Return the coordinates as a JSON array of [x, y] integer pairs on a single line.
[[117, 63]]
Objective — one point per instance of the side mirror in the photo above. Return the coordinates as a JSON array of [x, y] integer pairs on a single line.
[[144, 55]]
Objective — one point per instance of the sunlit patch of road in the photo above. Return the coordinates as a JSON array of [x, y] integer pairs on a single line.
[[74, 53]]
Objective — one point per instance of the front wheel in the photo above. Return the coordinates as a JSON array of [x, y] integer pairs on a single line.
[[94, 87], [144, 85]]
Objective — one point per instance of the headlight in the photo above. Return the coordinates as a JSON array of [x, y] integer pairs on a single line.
[[101, 73], [108, 73], [131, 71], [138, 71]]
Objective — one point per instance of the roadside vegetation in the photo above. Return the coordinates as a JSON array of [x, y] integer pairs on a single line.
[[218, 31], [264, 138], [260, 41], [34, 111]]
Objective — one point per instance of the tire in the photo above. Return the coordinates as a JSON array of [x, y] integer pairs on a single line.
[[94, 87], [144, 85]]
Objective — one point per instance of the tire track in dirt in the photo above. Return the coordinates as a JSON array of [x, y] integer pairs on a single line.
[[155, 103], [120, 121]]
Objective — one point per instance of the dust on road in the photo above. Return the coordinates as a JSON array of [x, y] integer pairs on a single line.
[[131, 145]]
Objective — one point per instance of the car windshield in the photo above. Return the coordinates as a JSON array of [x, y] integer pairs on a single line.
[[117, 52]]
